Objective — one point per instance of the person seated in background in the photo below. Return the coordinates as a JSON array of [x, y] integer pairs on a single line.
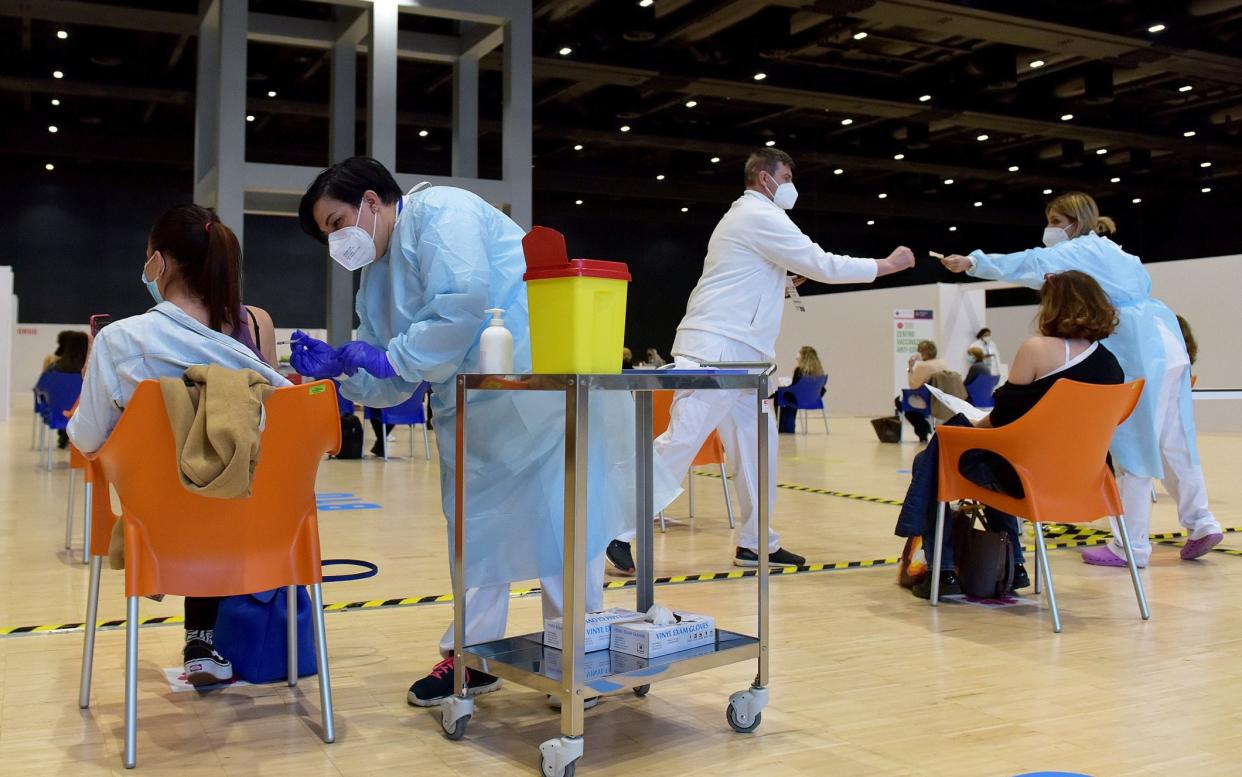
[[808, 366], [1074, 315], [192, 272], [978, 364], [991, 356], [67, 339], [919, 369], [654, 359], [627, 359], [70, 356]]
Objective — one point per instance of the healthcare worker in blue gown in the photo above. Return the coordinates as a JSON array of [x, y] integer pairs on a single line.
[[1158, 440], [433, 261]]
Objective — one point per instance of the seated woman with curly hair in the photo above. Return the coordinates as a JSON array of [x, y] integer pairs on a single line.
[[1074, 316]]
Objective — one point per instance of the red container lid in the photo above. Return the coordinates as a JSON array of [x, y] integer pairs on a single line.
[[546, 258]]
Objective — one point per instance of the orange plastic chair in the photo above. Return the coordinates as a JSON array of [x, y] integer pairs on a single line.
[[268, 540], [712, 451], [78, 462], [1058, 450]]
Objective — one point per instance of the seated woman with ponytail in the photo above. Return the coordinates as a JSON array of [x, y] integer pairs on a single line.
[[192, 269]]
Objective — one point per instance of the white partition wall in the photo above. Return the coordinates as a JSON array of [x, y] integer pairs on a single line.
[[8, 314]]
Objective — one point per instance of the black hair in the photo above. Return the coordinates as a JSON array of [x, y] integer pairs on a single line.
[[208, 258], [346, 181], [71, 355], [982, 332]]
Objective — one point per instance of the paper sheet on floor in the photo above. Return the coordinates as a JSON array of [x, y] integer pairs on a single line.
[[957, 405], [176, 680]]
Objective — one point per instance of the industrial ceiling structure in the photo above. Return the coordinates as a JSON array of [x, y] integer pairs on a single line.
[[938, 109]]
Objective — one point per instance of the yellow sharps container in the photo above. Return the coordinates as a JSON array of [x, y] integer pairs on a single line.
[[577, 308]]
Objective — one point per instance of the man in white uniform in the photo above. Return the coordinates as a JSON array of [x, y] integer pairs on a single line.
[[734, 315]]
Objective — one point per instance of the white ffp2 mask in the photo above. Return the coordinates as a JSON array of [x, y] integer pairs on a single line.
[[351, 247], [1054, 235], [785, 195]]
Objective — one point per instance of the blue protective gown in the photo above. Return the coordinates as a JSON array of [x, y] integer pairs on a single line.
[[1137, 342], [451, 257]]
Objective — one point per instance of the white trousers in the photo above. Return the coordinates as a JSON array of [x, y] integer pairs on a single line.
[[693, 416], [1183, 478], [487, 608]]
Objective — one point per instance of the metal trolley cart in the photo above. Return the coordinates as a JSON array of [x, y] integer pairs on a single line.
[[563, 673]]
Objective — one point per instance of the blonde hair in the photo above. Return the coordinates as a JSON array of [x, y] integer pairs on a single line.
[[808, 362], [927, 349], [976, 353], [1080, 208]]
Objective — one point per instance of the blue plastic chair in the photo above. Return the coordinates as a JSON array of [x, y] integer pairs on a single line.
[[805, 394], [346, 406], [923, 394], [58, 392], [979, 391], [409, 413], [36, 442]]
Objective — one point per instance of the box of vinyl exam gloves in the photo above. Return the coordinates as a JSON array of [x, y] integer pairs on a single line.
[[648, 640], [598, 628]]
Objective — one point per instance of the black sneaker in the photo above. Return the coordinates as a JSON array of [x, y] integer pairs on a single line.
[[203, 665], [438, 686], [1020, 578], [620, 557], [949, 585], [745, 557]]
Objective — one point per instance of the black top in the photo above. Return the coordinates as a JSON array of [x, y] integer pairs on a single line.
[[1013, 401], [976, 369]]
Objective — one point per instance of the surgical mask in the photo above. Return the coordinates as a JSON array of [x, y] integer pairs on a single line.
[[351, 247], [785, 195], [1054, 235], [153, 287]]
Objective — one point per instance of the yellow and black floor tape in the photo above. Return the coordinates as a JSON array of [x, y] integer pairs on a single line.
[[820, 491], [1057, 536]]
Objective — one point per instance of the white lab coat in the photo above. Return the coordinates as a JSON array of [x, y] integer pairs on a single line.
[[741, 293], [734, 314]]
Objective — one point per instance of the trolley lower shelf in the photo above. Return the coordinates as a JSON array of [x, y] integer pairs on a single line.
[[527, 661]]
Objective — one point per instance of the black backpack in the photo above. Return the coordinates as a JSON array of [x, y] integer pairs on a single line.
[[351, 437], [984, 558]]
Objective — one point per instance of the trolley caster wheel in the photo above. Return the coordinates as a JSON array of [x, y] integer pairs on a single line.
[[568, 771], [745, 710], [731, 715], [559, 757], [455, 714], [457, 730], [642, 690]]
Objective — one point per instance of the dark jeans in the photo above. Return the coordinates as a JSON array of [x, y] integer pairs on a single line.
[[921, 423], [201, 612], [983, 468], [788, 423], [376, 426]]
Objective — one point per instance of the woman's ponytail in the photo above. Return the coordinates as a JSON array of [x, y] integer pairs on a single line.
[[207, 257], [218, 285]]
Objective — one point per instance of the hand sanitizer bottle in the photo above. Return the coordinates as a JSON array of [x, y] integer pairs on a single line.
[[496, 346]]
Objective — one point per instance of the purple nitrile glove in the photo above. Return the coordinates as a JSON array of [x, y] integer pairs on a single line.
[[313, 358], [358, 355]]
